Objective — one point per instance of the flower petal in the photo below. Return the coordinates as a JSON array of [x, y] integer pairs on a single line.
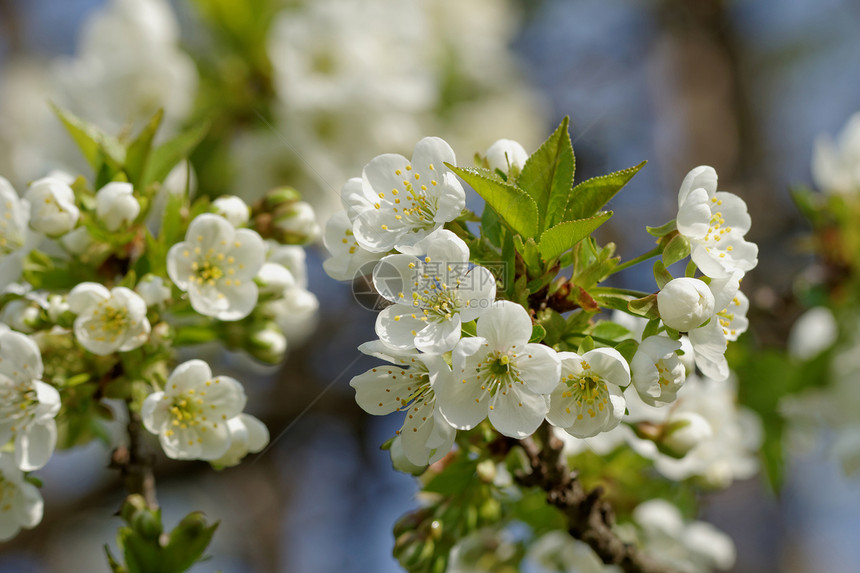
[[439, 336], [539, 367], [609, 365], [517, 413], [383, 389], [505, 325], [35, 444]]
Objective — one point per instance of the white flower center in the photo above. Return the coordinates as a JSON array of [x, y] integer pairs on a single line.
[[109, 322], [498, 372], [188, 410], [18, 403], [411, 203]]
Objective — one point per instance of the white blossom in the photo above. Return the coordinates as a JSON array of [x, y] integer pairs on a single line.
[[116, 205], [28, 406], [588, 398], [685, 303], [233, 209], [292, 257], [407, 385], [77, 241], [248, 435], [658, 372], [295, 313], [216, 265], [21, 504], [409, 199], [347, 256], [21, 314], [16, 238], [694, 547], [153, 290], [684, 431], [500, 374], [52, 206], [432, 296], [274, 278], [108, 320], [836, 165], [190, 415], [709, 342], [507, 156], [558, 552], [714, 222], [813, 333]]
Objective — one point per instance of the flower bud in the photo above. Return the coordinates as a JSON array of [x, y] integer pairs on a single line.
[[685, 303], [233, 209], [52, 203], [684, 432], [274, 279], [267, 344], [22, 315], [77, 241], [153, 290], [116, 205], [298, 224], [507, 156]]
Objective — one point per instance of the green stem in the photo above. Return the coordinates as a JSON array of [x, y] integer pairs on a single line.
[[650, 254], [597, 291]]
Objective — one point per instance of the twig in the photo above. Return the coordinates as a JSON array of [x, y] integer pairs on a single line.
[[135, 462]]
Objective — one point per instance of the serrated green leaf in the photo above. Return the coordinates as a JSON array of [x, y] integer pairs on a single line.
[[140, 149], [547, 176], [165, 157], [676, 249], [564, 236], [96, 146], [511, 203], [661, 275], [662, 230], [591, 195]]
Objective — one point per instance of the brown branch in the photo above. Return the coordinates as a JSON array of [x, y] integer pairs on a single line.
[[589, 518], [135, 462]]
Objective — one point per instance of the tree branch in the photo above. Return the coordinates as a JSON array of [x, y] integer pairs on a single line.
[[135, 462], [589, 518]]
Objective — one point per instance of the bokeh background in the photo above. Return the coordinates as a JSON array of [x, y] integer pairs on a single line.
[[742, 85]]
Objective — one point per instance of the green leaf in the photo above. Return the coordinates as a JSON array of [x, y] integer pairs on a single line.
[[652, 328], [627, 348], [645, 306], [530, 254], [662, 230], [509, 260], [691, 269], [661, 275], [96, 146], [165, 157], [588, 197], [511, 203], [547, 176], [491, 227], [676, 249], [586, 345], [140, 148], [452, 479], [564, 236], [610, 330], [115, 567], [538, 333], [188, 541]]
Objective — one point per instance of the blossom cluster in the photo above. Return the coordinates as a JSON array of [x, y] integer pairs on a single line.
[[101, 288], [458, 356]]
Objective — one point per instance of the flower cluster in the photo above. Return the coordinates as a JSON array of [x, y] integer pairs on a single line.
[[94, 304]]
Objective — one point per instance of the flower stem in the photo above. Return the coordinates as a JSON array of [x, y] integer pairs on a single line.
[[650, 254], [135, 461]]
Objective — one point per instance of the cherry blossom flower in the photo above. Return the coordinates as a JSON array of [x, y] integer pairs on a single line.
[[432, 296], [233, 209], [153, 290], [658, 372], [408, 385], [836, 165], [347, 256], [16, 239], [409, 199], [28, 406], [714, 222], [500, 374], [507, 156], [108, 320], [116, 205], [21, 504], [685, 303], [588, 398], [216, 266], [248, 435], [52, 206], [190, 415]]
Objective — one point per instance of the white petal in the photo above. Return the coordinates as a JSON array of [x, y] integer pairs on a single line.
[[504, 325], [702, 177], [379, 391], [20, 355], [249, 251], [49, 400], [709, 346], [188, 375], [461, 401], [398, 325], [444, 247], [518, 413], [258, 433], [394, 279], [30, 506], [609, 365], [153, 417], [477, 291], [417, 428], [213, 442], [35, 444], [539, 367], [439, 336]]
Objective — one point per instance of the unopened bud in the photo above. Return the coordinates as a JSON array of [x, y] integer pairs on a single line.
[[684, 432]]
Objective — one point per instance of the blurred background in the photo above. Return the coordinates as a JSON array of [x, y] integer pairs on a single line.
[[744, 86]]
